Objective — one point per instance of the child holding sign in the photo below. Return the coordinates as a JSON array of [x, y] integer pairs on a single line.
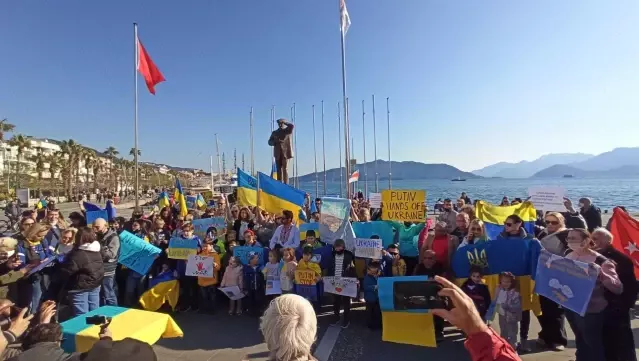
[[234, 276], [272, 271], [208, 285], [306, 264], [373, 312], [287, 273], [188, 285]]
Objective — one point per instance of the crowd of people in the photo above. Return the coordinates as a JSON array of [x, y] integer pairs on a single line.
[[82, 269]]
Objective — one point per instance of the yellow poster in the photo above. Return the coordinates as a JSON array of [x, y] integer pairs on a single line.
[[305, 277], [409, 328], [404, 205]]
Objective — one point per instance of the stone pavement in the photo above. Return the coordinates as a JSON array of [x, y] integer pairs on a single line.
[[237, 338]]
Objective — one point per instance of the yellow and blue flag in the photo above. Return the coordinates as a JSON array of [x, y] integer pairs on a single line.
[[179, 198], [163, 200], [141, 325], [163, 288], [494, 216], [246, 189], [276, 196], [199, 201], [42, 203], [274, 170]]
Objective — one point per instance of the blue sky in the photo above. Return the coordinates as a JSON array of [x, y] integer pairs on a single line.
[[470, 82]]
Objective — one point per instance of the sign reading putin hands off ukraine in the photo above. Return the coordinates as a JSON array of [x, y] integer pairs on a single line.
[[403, 205]]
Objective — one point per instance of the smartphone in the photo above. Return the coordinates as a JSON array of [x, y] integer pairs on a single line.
[[419, 295]]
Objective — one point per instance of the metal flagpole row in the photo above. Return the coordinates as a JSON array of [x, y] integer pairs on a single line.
[[364, 140], [324, 147], [390, 184], [252, 145], [375, 148], [315, 156]]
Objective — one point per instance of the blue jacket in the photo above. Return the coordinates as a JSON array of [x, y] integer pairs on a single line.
[[386, 264], [370, 293], [253, 278], [33, 255]]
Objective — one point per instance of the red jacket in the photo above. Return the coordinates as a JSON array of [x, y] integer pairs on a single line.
[[488, 346]]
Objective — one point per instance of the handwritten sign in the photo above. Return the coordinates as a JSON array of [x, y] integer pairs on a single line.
[[375, 200], [232, 292], [305, 277], [137, 254], [244, 254], [343, 286], [273, 287], [568, 283], [200, 226], [548, 198], [368, 248], [180, 248], [404, 205], [93, 215], [199, 266]]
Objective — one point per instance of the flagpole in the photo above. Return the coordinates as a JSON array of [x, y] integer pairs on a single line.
[[219, 162], [339, 142], [365, 166], [390, 184], [297, 182], [212, 180], [375, 148], [324, 147], [252, 145], [315, 156], [135, 81], [346, 125]]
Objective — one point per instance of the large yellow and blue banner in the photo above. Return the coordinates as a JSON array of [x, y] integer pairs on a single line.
[[164, 288], [246, 189], [494, 216], [141, 325], [276, 196], [518, 256]]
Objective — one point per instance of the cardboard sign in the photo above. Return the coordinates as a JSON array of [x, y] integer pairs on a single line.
[[273, 287], [375, 200], [404, 205], [137, 254], [368, 248], [199, 266], [180, 248], [201, 225], [244, 254], [305, 277], [343, 286], [233, 292], [548, 198]]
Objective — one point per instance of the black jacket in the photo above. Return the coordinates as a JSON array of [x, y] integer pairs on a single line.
[[44, 351], [626, 271], [593, 217], [348, 266], [81, 270]]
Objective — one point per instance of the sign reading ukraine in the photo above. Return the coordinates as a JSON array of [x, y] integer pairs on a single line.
[[181, 248], [403, 205]]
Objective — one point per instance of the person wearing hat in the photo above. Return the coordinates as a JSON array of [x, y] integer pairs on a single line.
[[281, 142], [342, 266]]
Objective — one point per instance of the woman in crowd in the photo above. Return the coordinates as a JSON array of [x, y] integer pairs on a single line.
[[443, 244], [469, 210], [81, 274], [243, 222], [24, 224], [167, 217], [476, 233], [552, 319], [588, 329], [67, 240], [32, 250]]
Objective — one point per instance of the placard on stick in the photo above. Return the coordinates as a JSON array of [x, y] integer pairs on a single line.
[[404, 205], [368, 248]]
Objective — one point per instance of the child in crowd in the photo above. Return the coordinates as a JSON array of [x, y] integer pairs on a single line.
[[311, 240], [287, 273], [229, 253], [398, 265], [234, 276], [249, 239], [254, 284], [218, 243], [188, 285], [430, 267], [342, 266], [508, 303], [373, 312], [306, 264], [272, 271], [208, 285], [477, 290]]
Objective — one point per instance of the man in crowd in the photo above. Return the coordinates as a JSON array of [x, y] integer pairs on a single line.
[[110, 243], [462, 221], [591, 214], [281, 142], [449, 215]]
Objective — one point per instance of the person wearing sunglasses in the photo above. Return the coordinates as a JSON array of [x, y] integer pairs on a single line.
[[476, 233], [287, 234]]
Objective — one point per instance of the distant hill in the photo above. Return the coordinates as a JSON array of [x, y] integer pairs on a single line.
[[560, 170], [525, 169], [619, 162], [401, 171]]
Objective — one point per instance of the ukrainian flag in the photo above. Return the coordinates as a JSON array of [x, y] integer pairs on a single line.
[[246, 189], [179, 198], [274, 170], [276, 196], [143, 326], [518, 256], [42, 203], [494, 216], [162, 289], [163, 200], [199, 201]]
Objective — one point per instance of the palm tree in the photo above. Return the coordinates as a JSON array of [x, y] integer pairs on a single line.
[[21, 143], [5, 128], [71, 152], [132, 152], [39, 159], [89, 160], [96, 168], [111, 153]]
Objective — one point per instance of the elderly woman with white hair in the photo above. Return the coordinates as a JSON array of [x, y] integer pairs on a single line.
[[289, 326], [618, 339]]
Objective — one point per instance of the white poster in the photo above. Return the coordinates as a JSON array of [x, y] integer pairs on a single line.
[[23, 196], [199, 266], [232, 292], [368, 248], [547, 198], [343, 286], [273, 287], [375, 200]]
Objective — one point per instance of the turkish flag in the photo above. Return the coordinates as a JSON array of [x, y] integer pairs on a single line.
[[625, 231], [147, 68]]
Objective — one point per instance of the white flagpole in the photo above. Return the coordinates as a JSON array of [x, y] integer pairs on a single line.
[[346, 124], [315, 156], [324, 147], [339, 142], [135, 81], [375, 148], [252, 145], [364, 140], [390, 184], [297, 182]]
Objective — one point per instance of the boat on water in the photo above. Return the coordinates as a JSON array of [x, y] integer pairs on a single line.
[[458, 179], [568, 176]]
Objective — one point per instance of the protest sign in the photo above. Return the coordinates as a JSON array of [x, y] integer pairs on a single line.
[[404, 205], [334, 222], [273, 287], [375, 228], [305, 277], [309, 227], [181, 248], [199, 266], [137, 254], [201, 225], [568, 283], [232, 292], [244, 254], [368, 248], [343, 286], [190, 202], [43, 264], [375, 200], [93, 215], [547, 198]]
